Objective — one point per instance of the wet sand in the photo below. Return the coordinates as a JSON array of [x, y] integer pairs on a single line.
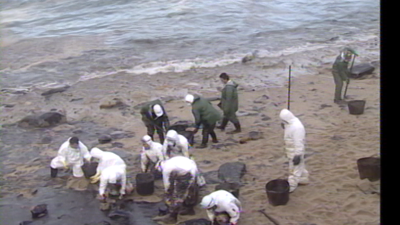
[[335, 139]]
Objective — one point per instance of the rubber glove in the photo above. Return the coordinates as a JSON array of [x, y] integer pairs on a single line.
[[65, 165]]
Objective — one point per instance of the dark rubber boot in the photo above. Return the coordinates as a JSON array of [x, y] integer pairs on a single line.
[[214, 137], [223, 124], [53, 172], [238, 129]]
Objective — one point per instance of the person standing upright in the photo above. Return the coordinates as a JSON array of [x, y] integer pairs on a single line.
[[341, 71], [229, 104]]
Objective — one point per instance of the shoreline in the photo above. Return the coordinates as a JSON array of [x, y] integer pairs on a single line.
[[335, 139]]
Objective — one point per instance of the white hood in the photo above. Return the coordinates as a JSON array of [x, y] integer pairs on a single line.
[[287, 116]]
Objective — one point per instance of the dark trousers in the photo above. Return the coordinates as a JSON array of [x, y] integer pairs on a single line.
[[208, 129], [157, 126], [182, 192]]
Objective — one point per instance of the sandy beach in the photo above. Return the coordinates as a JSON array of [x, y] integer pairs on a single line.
[[335, 139]]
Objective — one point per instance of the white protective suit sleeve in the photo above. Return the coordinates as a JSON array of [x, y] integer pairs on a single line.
[[184, 145], [85, 152], [143, 160], [234, 212], [63, 151]]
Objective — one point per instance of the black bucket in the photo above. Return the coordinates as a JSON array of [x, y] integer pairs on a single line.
[[89, 169], [278, 192], [145, 183], [233, 188], [356, 107], [370, 168]]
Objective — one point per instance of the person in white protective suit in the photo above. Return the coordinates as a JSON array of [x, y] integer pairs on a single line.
[[71, 154], [219, 202], [151, 153], [181, 190], [294, 138], [175, 144], [111, 170]]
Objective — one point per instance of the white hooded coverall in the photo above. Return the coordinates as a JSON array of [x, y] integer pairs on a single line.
[[178, 144], [111, 169], [294, 138], [71, 157], [154, 154], [181, 165], [225, 202]]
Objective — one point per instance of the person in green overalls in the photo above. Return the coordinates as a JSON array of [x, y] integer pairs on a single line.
[[155, 118], [229, 103], [341, 71]]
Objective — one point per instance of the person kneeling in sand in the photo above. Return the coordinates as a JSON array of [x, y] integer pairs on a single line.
[[71, 154], [111, 170], [181, 189], [151, 153], [294, 138], [218, 204]]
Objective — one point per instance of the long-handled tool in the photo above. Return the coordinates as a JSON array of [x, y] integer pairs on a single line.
[[269, 217], [351, 68], [290, 76]]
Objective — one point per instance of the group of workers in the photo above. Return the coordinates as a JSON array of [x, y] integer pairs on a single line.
[[171, 158]]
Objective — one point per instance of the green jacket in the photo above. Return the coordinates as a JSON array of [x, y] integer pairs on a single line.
[[229, 98], [148, 116], [340, 68], [204, 112]]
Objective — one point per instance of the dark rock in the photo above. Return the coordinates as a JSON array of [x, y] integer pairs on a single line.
[[196, 222], [222, 145], [55, 90], [46, 140], [121, 134], [231, 172], [117, 145], [262, 99], [76, 99], [34, 191], [47, 119], [211, 177], [115, 102], [39, 211], [121, 216], [121, 153], [362, 69], [162, 210], [325, 106], [233, 188], [26, 222], [105, 139], [8, 105], [206, 161], [252, 136], [336, 138], [265, 118]]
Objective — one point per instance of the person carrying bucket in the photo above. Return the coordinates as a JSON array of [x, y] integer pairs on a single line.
[[222, 202], [181, 189], [294, 137], [341, 71]]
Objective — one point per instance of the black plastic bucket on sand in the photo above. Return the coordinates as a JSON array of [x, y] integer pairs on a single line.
[[278, 192], [89, 169], [356, 107], [370, 168], [145, 183]]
